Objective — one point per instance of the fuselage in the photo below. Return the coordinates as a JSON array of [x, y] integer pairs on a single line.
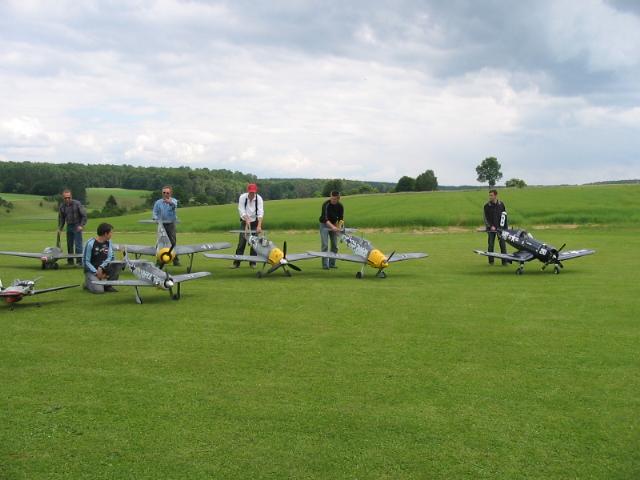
[[363, 248], [266, 248], [522, 240], [147, 272], [15, 292]]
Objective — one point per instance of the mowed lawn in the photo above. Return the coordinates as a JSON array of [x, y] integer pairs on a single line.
[[448, 368]]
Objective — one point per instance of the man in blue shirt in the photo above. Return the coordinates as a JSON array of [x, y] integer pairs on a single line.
[[97, 257], [164, 210]]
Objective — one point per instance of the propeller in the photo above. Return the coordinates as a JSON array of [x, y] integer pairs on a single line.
[[165, 255], [283, 262], [554, 259]]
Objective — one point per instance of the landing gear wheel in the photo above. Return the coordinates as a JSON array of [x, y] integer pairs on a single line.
[[44, 266], [381, 275], [556, 270], [175, 297], [259, 274], [358, 274], [56, 266], [519, 271], [287, 273]]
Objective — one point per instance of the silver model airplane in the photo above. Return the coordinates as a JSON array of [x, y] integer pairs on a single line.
[[48, 257], [148, 275], [165, 252], [266, 253], [25, 288], [365, 253]]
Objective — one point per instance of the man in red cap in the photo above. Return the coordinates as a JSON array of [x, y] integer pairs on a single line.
[[251, 209]]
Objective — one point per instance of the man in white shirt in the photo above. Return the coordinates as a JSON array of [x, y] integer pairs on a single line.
[[251, 210]]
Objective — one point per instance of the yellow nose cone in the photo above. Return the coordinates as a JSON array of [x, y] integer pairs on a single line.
[[377, 259], [275, 255], [164, 256]]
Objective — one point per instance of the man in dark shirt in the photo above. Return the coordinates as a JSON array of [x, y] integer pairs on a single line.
[[495, 218], [331, 215], [98, 255], [74, 215]]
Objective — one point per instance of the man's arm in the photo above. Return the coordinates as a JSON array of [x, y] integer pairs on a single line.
[[82, 212], [86, 256], [259, 213], [486, 216], [156, 211], [241, 210], [61, 219]]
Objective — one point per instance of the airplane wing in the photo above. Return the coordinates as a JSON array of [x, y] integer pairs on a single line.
[[23, 254], [519, 256], [52, 289], [203, 247], [568, 255], [189, 276], [40, 255], [123, 283], [339, 256], [239, 258], [399, 257], [294, 257], [135, 249]]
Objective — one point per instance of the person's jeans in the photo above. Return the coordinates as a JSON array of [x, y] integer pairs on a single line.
[[113, 273], [242, 242], [74, 239], [491, 244], [327, 235]]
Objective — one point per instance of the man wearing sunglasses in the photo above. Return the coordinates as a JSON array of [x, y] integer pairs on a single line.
[[164, 210]]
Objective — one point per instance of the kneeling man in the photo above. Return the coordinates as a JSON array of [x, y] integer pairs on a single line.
[[97, 258]]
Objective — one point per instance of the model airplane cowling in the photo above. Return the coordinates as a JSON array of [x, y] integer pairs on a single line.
[[266, 253], [165, 252], [148, 275], [24, 288], [48, 257], [528, 248], [366, 254]]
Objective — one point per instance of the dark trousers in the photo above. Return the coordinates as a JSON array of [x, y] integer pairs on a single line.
[[170, 228], [492, 241], [74, 239], [242, 242]]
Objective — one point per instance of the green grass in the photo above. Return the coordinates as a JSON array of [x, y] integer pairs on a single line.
[[598, 204], [126, 198], [446, 369]]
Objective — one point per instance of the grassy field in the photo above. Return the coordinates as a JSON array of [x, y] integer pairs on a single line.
[[33, 208], [446, 369], [602, 205]]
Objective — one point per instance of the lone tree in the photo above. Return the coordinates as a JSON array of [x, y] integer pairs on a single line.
[[330, 186], [515, 182], [406, 184], [489, 171], [426, 182]]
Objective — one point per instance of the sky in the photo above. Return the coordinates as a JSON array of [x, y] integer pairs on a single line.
[[368, 90]]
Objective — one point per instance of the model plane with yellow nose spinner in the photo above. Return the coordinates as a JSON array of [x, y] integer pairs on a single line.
[[165, 251], [366, 254]]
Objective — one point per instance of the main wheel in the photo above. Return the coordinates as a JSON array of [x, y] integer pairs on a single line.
[[519, 271], [358, 274], [259, 274], [556, 270], [56, 266]]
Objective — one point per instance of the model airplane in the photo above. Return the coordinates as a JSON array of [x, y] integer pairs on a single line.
[[266, 253], [48, 257], [165, 252], [24, 288], [528, 248], [365, 253], [148, 275]]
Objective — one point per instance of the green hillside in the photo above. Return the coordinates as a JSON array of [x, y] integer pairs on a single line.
[[594, 204], [125, 198]]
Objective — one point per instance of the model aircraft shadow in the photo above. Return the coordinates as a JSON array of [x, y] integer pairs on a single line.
[[31, 304]]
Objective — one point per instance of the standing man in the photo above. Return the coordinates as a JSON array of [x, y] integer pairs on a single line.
[[98, 255], [330, 217], [164, 211], [251, 210], [495, 218], [73, 213]]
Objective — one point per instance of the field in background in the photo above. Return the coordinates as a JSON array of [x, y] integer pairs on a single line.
[[34, 208], [597, 204]]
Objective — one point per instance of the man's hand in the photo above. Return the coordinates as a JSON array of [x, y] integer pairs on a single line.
[[493, 229], [259, 229], [79, 228], [101, 274]]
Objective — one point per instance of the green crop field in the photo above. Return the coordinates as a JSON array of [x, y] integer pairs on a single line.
[[446, 369]]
